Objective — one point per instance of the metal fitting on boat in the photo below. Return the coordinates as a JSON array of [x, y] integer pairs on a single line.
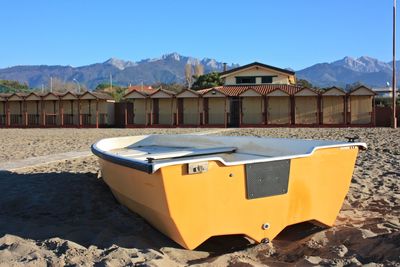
[[352, 139], [265, 240], [265, 226]]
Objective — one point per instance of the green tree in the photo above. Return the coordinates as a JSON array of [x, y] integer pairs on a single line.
[[208, 80], [304, 83], [102, 86], [116, 91], [8, 86]]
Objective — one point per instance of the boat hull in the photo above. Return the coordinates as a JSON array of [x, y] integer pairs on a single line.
[[190, 208]]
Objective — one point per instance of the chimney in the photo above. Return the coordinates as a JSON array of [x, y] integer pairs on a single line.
[[224, 66]]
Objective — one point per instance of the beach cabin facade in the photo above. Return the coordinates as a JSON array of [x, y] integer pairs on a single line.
[[163, 108], [189, 108], [3, 111], [252, 109], [15, 110], [137, 109], [278, 103], [253, 95], [69, 103], [95, 110], [88, 110], [333, 102], [55, 110], [306, 107], [33, 110], [216, 108], [51, 110], [253, 84], [360, 106]]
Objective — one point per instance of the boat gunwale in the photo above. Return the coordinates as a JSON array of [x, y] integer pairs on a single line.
[[152, 167]]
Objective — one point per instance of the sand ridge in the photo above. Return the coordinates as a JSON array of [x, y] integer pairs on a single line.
[[62, 213]]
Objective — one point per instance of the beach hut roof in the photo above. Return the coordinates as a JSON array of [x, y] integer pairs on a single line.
[[362, 90], [15, 97], [333, 91], [94, 95], [250, 92], [135, 94], [50, 96], [213, 92], [145, 90], [162, 93], [306, 92], [278, 92], [33, 96], [187, 93], [69, 96]]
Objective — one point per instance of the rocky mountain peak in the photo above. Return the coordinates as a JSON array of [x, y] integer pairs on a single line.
[[119, 63]]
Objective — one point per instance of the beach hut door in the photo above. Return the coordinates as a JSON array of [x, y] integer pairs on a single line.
[[234, 112]]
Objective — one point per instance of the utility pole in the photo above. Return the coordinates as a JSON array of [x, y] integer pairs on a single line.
[[111, 82], [394, 84]]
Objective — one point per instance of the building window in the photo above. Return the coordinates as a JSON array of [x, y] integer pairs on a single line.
[[245, 79], [267, 79]]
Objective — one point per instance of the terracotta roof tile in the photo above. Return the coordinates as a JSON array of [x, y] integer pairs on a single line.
[[264, 89]]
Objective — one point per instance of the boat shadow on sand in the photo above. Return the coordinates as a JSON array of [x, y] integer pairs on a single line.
[[79, 207]]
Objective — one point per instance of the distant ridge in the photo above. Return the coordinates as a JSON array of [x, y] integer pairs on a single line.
[[367, 70], [169, 68]]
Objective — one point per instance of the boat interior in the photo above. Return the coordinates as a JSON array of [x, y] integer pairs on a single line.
[[151, 152]]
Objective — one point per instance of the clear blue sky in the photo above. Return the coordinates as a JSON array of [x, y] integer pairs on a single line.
[[284, 33]]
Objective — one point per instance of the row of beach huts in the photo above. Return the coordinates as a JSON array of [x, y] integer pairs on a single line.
[[248, 106], [225, 106], [253, 95], [89, 109]]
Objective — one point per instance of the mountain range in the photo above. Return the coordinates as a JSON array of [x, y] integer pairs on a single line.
[[366, 70], [169, 68]]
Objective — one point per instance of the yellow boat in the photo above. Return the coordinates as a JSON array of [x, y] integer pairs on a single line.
[[194, 187]]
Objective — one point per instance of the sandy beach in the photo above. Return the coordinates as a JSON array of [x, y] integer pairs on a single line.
[[62, 213]]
